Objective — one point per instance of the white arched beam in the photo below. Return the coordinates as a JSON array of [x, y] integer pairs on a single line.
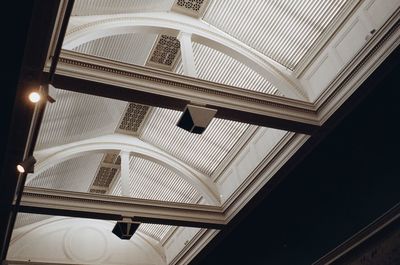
[[55, 155], [160, 22]]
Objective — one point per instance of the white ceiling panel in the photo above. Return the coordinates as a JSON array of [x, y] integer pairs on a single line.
[[108, 7], [204, 152], [282, 30], [75, 174], [149, 180], [75, 116], [24, 219], [127, 48], [155, 231], [226, 70]]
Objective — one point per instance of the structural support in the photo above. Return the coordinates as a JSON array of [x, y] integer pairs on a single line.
[[125, 173], [102, 77], [96, 27], [87, 205], [189, 67], [52, 156]]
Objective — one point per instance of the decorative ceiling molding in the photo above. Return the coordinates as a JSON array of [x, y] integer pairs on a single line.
[[247, 106], [80, 204], [172, 23], [165, 53]]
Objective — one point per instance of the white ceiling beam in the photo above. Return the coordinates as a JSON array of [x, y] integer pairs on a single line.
[[124, 175], [96, 27], [189, 66], [102, 77], [89, 205]]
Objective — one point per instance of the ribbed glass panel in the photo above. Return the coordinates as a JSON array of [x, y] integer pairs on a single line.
[[75, 174], [116, 190], [218, 67], [204, 152], [77, 116], [127, 48], [24, 219], [107, 7], [155, 231], [149, 180], [283, 30]]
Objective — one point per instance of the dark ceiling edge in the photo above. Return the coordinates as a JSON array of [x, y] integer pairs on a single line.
[[388, 222], [344, 110], [23, 131]]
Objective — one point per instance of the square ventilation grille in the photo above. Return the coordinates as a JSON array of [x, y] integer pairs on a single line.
[[132, 119], [194, 8], [106, 173], [165, 53]]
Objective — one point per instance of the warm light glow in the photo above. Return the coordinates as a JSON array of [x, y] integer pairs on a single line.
[[20, 169], [34, 97]]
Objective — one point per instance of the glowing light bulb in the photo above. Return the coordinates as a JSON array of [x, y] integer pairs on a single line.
[[34, 97], [20, 169]]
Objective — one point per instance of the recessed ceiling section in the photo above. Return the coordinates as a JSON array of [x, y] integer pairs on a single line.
[[282, 30], [75, 174], [203, 152], [76, 117], [150, 180], [25, 219], [158, 232], [226, 70], [126, 48], [107, 7]]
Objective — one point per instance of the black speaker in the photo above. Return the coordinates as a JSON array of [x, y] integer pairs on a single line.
[[195, 119], [125, 230]]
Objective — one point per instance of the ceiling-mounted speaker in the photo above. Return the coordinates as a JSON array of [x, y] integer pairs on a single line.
[[195, 119], [125, 229]]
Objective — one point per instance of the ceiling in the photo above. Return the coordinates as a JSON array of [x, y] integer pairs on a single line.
[[348, 181], [289, 67]]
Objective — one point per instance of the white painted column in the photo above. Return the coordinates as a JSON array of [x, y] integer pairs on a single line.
[[189, 67], [125, 173]]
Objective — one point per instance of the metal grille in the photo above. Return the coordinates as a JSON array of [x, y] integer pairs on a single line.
[[194, 5], [133, 118], [165, 52]]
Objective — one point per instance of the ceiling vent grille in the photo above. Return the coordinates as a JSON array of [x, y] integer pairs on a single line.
[[165, 53], [194, 8], [106, 173], [132, 119]]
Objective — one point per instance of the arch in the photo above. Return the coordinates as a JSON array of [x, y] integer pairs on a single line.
[[55, 155], [164, 22]]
